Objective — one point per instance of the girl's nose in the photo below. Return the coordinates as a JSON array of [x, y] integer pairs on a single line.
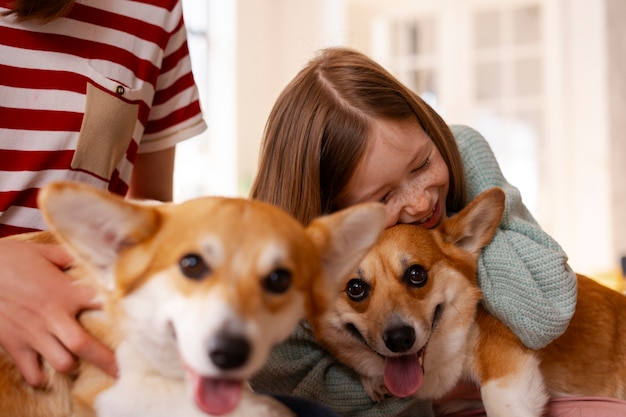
[[415, 205]]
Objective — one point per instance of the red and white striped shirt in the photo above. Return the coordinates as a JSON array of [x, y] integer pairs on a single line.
[[82, 95]]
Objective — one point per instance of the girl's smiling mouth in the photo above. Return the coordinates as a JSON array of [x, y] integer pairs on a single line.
[[432, 219]]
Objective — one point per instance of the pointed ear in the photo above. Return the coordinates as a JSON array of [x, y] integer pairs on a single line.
[[343, 238], [94, 224], [475, 226]]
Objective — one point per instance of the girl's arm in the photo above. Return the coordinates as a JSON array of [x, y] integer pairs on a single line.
[[302, 368], [523, 273]]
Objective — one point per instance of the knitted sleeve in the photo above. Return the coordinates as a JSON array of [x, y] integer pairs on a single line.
[[523, 272], [302, 368]]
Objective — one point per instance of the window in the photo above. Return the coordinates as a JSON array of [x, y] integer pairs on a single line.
[[414, 56], [508, 91], [206, 164], [490, 61]]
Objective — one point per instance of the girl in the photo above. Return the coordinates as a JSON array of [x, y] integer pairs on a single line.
[[345, 131]]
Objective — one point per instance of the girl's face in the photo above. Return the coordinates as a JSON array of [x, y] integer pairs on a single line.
[[403, 169]]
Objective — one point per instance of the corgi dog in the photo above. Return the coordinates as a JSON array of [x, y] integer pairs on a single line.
[[409, 321], [194, 297]]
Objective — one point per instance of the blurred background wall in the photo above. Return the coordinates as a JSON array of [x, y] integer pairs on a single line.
[[542, 80]]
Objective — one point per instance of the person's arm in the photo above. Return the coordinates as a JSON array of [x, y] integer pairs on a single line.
[[302, 368], [38, 308], [523, 272], [153, 176], [175, 116]]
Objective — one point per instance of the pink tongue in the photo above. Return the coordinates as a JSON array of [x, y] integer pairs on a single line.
[[215, 396], [403, 375]]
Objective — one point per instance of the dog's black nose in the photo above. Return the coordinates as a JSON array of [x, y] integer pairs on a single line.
[[399, 339], [229, 352]]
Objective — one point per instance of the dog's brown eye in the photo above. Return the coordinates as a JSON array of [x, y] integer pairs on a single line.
[[416, 276], [278, 281], [193, 266], [357, 289]]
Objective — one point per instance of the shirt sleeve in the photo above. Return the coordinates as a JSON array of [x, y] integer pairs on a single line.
[[523, 273], [175, 114], [302, 368]]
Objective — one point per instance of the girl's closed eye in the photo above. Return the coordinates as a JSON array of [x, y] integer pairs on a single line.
[[423, 165]]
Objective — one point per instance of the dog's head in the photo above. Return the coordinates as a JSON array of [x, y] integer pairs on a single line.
[[412, 299], [207, 287]]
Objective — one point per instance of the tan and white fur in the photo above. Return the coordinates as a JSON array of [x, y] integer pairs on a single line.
[[410, 322], [194, 297]]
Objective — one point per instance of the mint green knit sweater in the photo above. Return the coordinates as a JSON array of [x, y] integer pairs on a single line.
[[523, 274]]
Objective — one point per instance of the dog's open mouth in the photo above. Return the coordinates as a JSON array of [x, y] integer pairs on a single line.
[[215, 396], [404, 375]]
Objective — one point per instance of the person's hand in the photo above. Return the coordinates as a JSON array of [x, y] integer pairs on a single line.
[[39, 304]]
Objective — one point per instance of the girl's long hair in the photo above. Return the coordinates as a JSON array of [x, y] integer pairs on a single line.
[[318, 129]]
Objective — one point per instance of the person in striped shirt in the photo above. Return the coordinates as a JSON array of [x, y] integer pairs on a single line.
[[96, 91]]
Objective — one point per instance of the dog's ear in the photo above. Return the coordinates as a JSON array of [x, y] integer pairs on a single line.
[[95, 225], [476, 224], [343, 238]]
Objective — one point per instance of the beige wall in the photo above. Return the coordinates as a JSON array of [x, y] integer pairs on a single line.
[[579, 213], [276, 38], [616, 43]]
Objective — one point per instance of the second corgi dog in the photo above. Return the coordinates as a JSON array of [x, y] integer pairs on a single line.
[[194, 294], [410, 322]]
